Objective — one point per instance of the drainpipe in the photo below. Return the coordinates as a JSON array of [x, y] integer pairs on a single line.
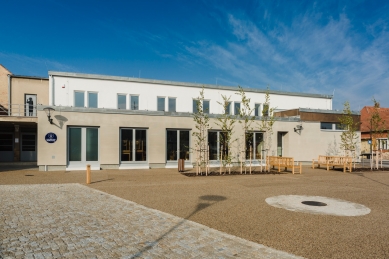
[[9, 95], [52, 90]]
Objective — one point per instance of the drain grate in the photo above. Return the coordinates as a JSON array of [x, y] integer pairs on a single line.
[[314, 203], [28, 175]]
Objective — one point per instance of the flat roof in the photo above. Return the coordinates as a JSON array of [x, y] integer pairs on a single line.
[[327, 111], [30, 77], [185, 84]]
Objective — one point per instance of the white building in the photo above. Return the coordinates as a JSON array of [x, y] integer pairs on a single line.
[[122, 122]]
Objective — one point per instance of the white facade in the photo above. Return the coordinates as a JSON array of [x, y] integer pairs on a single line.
[[106, 133], [64, 85]]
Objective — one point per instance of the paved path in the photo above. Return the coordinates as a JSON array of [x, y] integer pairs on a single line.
[[74, 221]]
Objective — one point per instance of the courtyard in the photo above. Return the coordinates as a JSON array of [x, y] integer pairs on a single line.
[[232, 209]]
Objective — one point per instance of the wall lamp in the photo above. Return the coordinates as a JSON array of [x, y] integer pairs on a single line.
[[49, 111], [298, 129]]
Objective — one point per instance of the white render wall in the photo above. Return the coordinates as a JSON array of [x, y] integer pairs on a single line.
[[62, 89]]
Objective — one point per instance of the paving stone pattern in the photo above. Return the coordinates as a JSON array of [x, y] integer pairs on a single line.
[[74, 221]]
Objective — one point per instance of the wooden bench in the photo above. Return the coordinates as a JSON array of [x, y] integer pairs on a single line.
[[286, 162], [327, 161]]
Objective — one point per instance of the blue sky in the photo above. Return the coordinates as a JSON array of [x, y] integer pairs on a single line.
[[325, 47]]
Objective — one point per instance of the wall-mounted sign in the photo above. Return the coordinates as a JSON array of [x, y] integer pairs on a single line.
[[369, 141], [51, 137]]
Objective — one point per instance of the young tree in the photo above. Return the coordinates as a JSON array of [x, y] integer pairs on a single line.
[[226, 123], [376, 126], [245, 119], [201, 120], [267, 122], [349, 137]]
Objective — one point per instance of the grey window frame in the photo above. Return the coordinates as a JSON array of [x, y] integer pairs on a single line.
[[83, 99], [125, 101], [175, 104], [97, 99], [164, 103], [131, 107]]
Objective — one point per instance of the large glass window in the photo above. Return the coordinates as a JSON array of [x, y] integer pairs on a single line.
[[236, 108], [6, 142], [122, 101], [206, 107], [172, 104], [92, 100], [133, 145], [74, 144], [134, 102], [218, 143], [177, 144], [255, 141], [92, 144], [79, 99], [257, 111], [161, 104]]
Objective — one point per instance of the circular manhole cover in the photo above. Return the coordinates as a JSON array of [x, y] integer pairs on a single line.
[[318, 205], [314, 203]]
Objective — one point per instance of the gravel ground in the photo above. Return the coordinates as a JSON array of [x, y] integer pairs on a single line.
[[236, 205]]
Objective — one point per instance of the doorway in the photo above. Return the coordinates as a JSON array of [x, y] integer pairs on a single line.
[[30, 107], [83, 148]]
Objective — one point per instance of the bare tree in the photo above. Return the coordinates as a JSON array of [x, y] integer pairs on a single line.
[[226, 123], [201, 120], [246, 120], [267, 122]]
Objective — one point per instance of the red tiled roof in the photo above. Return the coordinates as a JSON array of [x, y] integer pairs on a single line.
[[366, 114]]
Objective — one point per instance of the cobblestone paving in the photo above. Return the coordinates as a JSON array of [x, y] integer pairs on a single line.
[[74, 221]]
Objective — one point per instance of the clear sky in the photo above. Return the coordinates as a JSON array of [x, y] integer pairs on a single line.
[[325, 47]]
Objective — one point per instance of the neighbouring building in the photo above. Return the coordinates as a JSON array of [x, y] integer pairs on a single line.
[[374, 134], [125, 122], [19, 98]]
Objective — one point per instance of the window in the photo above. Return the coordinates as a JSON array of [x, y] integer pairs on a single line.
[[382, 143], [228, 108], [133, 145], [255, 141], [134, 102], [177, 143], [257, 111], [332, 126], [217, 145], [206, 107], [92, 100], [265, 110], [172, 104], [161, 104], [236, 108], [79, 99], [122, 101], [326, 125], [194, 104]]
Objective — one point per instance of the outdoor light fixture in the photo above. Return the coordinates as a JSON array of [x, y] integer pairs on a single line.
[[298, 129], [49, 111]]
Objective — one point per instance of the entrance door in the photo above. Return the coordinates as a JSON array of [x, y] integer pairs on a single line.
[[280, 136], [83, 148], [28, 147], [30, 110]]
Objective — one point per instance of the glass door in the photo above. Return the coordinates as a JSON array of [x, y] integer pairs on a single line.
[[28, 147], [83, 148]]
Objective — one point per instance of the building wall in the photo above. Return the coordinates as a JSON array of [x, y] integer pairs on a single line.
[[62, 94], [22, 86], [4, 86], [303, 147]]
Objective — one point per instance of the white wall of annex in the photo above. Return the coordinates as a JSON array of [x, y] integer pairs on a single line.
[[108, 90]]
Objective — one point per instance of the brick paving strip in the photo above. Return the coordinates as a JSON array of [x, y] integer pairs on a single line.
[[75, 221]]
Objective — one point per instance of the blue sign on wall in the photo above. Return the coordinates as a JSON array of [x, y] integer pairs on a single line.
[[51, 137]]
